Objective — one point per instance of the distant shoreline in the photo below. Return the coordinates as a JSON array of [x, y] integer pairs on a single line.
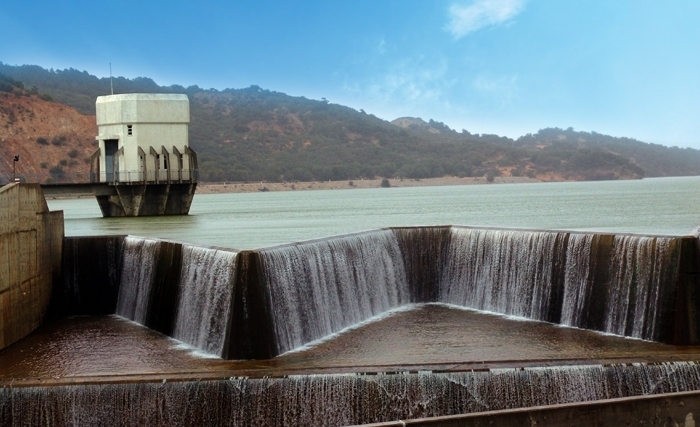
[[247, 187], [239, 187]]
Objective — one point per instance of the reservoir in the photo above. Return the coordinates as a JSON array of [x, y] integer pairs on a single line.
[[660, 206]]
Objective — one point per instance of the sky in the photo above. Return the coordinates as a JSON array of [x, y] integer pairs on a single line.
[[508, 67]]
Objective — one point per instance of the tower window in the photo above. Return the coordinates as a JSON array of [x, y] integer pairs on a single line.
[[129, 130]]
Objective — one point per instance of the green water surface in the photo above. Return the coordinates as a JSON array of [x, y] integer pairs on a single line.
[[667, 206]]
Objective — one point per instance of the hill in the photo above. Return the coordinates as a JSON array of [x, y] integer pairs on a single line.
[[254, 134], [54, 141]]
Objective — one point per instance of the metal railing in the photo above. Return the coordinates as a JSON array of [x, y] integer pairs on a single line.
[[163, 176], [153, 170], [62, 177], [123, 177]]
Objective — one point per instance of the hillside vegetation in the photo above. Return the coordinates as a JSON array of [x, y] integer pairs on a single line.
[[54, 141], [254, 134]]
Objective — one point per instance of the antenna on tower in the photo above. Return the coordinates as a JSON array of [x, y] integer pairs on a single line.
[[111, 87]]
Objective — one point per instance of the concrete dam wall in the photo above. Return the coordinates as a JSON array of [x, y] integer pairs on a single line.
[[262, 303], [30, 256]]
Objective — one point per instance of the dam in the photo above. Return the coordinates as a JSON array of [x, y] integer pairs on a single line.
[[442, 325]]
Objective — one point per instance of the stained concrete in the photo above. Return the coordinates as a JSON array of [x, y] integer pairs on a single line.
[[30, 257], [147, 199]]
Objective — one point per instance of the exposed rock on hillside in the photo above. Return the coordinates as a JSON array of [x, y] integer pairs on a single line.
[[54, 141], [415, 124]]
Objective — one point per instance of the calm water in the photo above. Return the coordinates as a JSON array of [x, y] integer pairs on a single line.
[[250, 220], [427, 335]]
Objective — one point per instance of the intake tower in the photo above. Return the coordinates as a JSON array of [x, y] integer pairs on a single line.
[[144, 155]]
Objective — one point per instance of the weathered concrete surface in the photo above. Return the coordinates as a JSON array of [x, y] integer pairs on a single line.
[[90, 274], [30, 256], [147, 199], [98, 189]]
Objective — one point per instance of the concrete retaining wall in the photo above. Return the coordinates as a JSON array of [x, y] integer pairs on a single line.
[[30, 256], [89, 283]]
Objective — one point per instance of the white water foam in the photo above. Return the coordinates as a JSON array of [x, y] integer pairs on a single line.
[[318, 288], [640, 274], [137, 273], [504, 271], [206, 286]]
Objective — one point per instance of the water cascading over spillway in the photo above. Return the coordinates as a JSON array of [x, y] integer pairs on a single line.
[[637, 295], [626, 291], [206, 285], [320, 287], [137, 278], [577, 278], [259, 304], [503, 271], [338, 399], [193, 306], [621, 284]]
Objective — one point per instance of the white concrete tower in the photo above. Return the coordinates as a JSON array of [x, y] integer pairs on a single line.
[[143, 138]]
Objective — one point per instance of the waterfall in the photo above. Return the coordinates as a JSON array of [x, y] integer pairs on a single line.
[[640, 281], [137, 274], [337, 399], [622, 284], [320, 287], [290, 295], [626, 292], [206, 288], [577, 279], [503, 271], [191, 304]]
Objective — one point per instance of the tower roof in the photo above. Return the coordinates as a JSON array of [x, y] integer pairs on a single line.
[[142, 108]]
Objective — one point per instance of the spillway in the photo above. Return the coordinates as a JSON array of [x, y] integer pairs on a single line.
[[338, 399], [249, 309], [198, 306], [321, 287], [615, 284]]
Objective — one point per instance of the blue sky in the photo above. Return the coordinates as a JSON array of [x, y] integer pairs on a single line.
[[509, 67]]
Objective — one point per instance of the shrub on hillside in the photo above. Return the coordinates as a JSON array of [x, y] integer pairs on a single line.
[[58, 140], [57, 172]]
